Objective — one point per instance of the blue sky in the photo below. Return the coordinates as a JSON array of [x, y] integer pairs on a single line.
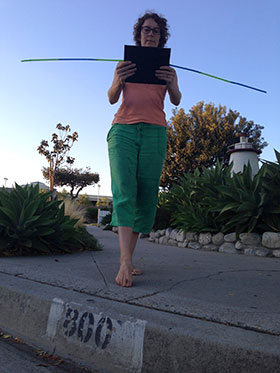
[[234, 39]]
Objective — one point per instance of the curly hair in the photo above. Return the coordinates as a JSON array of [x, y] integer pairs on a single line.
[[161, 21]]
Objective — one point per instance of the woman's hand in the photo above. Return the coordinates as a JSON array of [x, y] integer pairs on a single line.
[[123, 71], [168, 74]]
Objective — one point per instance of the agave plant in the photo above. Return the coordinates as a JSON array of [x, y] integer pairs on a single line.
[[214, 200], [271, 187], [242, 202], [195, 195], [30, 222]]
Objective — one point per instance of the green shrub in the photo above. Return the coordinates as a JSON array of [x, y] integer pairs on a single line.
[[211, 200], [106, 219], [31, 223], [163, 213], [271, 186], [84, 200], [91, 214], [191, 200], [241, 204]]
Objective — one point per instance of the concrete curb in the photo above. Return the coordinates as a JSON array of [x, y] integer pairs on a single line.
[[101, 334]]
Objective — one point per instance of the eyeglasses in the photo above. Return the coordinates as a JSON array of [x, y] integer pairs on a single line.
[[147, 30]]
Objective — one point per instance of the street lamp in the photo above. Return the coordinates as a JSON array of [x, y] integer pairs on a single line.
[[6, 179]]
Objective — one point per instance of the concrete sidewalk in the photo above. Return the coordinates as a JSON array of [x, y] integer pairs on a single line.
[[190, 311]]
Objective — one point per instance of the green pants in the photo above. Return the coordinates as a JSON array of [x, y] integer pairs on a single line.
[[136, 154]]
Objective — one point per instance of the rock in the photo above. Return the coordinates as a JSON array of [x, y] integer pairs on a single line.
[[271, 240], [210, 247], [180, 237], [194, 245], [250, 251], [157, 234], [263, 252], [191, 236], [231, 237], [172, 242], [239, 245], [173, 234], [204, 238], [228, 248], [250, 243], [167, 232], [163, 240], [276, 253], [250, 238], [143, 235], [218, 238], [182, 244]]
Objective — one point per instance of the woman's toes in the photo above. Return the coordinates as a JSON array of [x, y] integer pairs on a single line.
[[136, 272]]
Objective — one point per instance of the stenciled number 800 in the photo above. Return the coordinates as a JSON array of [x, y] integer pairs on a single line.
[[74, 323]]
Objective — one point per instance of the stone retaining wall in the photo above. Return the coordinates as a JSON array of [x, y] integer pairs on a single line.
[[265, 245]]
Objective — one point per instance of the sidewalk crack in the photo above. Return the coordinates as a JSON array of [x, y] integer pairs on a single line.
[[200, 278], [100, 272]]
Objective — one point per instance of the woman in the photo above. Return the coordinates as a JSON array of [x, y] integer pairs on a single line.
[[137, 143]]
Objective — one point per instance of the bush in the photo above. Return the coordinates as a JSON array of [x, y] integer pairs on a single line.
[[211, 200], [102, 203], [271, 186], [240, 206], [190, 200], [83, 200], [31, 223], [91, 214], [163, 213], [106, 219]]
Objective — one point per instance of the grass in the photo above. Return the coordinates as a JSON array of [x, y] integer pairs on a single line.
[[74, 212]]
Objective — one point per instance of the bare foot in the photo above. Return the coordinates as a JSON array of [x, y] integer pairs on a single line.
[[136, 272], [124, 277]]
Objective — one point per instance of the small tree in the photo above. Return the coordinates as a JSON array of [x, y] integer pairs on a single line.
[[62, 143], [76, 178], [84, 200], [103, 202], [63, 194]]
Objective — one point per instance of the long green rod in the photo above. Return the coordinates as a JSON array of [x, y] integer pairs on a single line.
[[116, 60]]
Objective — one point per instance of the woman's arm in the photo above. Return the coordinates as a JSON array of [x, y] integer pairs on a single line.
[[169, 75], [123, 71]]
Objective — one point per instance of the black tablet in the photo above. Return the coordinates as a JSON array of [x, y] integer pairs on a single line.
[[148, 60]]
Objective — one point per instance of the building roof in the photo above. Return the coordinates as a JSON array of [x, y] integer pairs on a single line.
[[41, 185]]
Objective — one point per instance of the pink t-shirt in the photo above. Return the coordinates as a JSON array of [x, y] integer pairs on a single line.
[[142, 103]]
